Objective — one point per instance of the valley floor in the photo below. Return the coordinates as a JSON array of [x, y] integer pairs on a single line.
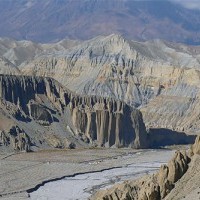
[[24, 172]]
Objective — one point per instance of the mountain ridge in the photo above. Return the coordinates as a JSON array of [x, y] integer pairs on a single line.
[[140, 20], [158, 77]]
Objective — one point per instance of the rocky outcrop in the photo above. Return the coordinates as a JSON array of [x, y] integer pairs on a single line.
[[168, 183], [195, 148], [153, 187], [160, 78], [99, 120], [41, 114], [188, 186], [108, 121], [169, 174], [15, 139]]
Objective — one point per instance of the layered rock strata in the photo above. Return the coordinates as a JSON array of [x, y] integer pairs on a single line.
[[104, 121], [16, 139], [160, 78]]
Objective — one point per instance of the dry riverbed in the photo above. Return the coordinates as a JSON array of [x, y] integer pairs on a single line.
[[24, 172]]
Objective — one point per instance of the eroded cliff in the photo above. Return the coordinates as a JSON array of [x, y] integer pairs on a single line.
[[44, 106], [179, 179], [160, 78]]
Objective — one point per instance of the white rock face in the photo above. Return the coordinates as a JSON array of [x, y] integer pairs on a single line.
[[6, 67], [160, 78], [13, 53]]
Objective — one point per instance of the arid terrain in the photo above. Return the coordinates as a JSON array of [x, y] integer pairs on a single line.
[[84, 19], [86, 106], [25, 171], [177, 180], [159, 78], [99, 99]]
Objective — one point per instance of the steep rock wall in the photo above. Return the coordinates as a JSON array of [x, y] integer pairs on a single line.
[[160, 78], [106, 121]]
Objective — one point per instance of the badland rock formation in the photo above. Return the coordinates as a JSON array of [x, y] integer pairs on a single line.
[[16, 139], [157, 77], [167, 183], [50, 114], [160, 78]]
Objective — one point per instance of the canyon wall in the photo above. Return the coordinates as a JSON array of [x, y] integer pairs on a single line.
[[99, 120], [158, 77]]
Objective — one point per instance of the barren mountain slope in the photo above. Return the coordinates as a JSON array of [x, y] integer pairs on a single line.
[[6, 67], [39, 112], [20, 51], [51, 20], [160, 77]]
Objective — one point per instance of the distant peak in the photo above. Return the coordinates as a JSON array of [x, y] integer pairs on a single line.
[[116, 37]]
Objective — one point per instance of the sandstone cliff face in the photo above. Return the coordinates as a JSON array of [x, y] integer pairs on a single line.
[[108, 121], [158, 77], [44, 102]]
